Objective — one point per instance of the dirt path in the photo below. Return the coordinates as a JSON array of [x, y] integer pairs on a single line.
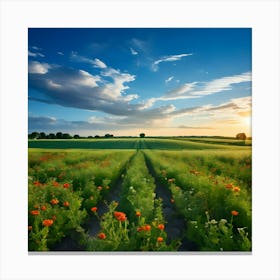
[[176, 224]]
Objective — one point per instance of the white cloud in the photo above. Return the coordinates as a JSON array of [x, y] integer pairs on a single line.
[[96, 63], [99, 64], [133, 52], [169, 79], [33, 54], [169, 58], [60, 53], [36, 67]]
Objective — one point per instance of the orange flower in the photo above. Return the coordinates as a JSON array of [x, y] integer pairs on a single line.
[[36, 206], [43, 208], [172, 200], [229, 186], [161, 226], [102, 235], [138, 213], [234, 213], [47, 223], [140, 229], [56, 184], [66, 203], [37, 183], [35, 212], [159, 239], [236, 189], [147, 227], [99, 188], [66, 185], [29, 227], [120, 216], [93, 209], [54, 201]]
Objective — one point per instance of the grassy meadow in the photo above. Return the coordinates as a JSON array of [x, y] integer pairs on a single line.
[[140, 194]]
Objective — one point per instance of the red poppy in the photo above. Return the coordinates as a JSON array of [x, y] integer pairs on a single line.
[[102, 235], [66, 185], [43, 208], [229, 186], [159, 239], [35, 212], [138, 213], [161, 226], [47, 223], [147, 227], [66, 203], [37, 183], [120, 216], [93, 209], [56, 184], [54, 201], [236, 189], [234, 213]]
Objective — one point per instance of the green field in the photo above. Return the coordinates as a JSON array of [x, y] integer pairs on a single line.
[[131, 194]]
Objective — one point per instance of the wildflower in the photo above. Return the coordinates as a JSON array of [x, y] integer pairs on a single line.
[[35, 212], [161, 226], [229, 186], [172, 180], [236, 189], [36, 206], [138, 213], [159, 239], [66, 203], [93, 209], [234, 213], [139, 229], [37, 183], [120, 216], [47, 223], [54, 201], [66, 185], [102, 235], [147, 227], [55, 184], [99, 188], [172, 200], [29, 227], [43, 208]]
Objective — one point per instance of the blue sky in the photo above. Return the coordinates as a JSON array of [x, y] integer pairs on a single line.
[[162, 81]]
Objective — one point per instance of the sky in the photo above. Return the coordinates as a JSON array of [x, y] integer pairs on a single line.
[[125, 81]]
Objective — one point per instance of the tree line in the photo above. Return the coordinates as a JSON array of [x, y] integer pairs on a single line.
[[60, 135]]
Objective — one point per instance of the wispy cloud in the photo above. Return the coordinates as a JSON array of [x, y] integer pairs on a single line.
[[169, 79], [60, 53], [35, 54], [169, 58], [133, 52], [96, 62]]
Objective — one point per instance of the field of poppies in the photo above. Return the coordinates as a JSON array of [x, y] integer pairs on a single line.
[[140, 195]]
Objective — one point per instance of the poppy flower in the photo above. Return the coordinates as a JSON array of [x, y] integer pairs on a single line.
[[47, 223], [138, 213], [66, 203], [229, 186], [37, 183], [236, 189], [54, 201], [140, 229], [55, 184], [36, 206], [99, 188], [147, 227], [120, 216], [35, 212], [159, 239], [66, 185], [161, 226], [102, 235], [43, 208], [93, 209], [234, 213]]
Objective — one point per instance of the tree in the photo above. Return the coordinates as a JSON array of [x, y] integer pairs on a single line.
[[42, 135], [142, 135], [108, 135], [59, 135], [76, 136], [34, 135], [51, 136], [241, 136], [66, 136]]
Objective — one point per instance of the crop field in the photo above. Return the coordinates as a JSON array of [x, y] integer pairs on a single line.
[[131, 194]]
